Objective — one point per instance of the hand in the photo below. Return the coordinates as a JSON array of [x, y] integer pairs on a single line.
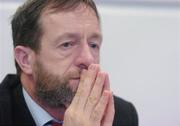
[[93, 103]]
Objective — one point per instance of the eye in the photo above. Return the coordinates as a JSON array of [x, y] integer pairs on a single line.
[[66, 44], [94, 45]]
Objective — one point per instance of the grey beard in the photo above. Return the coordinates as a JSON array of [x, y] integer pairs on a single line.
[[59, 96], [52, 90]]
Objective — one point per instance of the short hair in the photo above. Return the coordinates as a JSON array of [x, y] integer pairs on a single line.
[[26, 29]]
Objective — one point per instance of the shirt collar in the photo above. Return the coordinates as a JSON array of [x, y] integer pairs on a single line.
[[39, 115]]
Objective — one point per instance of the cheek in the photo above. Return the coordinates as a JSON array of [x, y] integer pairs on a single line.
[[56, 62], [63, 65], [96, 56]]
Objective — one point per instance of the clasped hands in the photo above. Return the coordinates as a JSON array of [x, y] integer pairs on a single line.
[[93, 103]]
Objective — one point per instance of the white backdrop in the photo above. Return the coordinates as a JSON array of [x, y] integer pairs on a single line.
[[140, 52]]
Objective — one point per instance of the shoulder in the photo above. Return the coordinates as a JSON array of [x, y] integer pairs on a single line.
[[10, 81], [125, 113], [122, 104], [13, 109], [6, 88]]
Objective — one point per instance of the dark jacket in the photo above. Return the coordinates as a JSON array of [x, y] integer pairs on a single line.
[[14, 111]]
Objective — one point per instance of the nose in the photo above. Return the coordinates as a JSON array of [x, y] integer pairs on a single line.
[[85, 57]]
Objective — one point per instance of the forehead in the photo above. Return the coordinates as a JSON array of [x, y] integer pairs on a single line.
[[81, 13], [81, 22]]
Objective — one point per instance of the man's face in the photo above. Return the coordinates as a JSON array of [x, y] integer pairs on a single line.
[[70, 42]]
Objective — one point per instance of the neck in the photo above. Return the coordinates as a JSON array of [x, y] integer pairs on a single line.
[[29, 84]]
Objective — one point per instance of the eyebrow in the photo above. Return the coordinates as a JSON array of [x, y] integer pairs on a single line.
[[76, 36], [97, 36], [66, 36]]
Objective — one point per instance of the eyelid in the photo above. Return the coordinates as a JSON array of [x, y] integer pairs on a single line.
[[70, 45], [98, 44]]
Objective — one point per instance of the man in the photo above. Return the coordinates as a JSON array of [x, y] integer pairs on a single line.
[[56, 49]]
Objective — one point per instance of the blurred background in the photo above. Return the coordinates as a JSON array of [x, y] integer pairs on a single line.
[[141, 52]]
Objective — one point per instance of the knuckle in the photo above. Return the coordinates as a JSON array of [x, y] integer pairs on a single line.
[[96, 116], [92, 100]]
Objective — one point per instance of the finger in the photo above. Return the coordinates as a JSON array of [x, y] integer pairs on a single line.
[[97, 114], [87, 79], [109, 112], [107, 83], [79, 91], [88, 83], [96, 93]]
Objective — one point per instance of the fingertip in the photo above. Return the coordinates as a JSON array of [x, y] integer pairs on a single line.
[[98, 67], [106, 92], [94, 67]]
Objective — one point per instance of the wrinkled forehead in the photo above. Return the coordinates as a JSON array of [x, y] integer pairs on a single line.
[[77, 10], [80, 14]]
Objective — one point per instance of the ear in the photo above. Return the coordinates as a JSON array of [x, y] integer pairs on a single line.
[[24, 58]]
